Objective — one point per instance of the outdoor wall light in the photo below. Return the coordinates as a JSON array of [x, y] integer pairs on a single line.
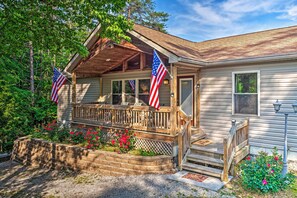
[[172, 94], [197, 86], [277, 106], [166, 82]]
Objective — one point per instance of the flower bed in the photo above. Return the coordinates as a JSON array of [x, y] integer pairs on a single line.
[[41, 153]]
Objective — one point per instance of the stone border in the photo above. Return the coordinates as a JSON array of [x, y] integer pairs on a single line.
[[41, 153]]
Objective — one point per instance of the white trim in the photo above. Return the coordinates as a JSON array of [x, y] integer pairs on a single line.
[[258, 90], [192, 79], [123, 87]]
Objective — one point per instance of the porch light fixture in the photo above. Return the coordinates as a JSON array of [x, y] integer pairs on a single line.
[[166, 82], [107, 60], [277, 106], [172, 94], [197, 86]]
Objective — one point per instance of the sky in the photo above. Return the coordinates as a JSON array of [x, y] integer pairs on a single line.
[[209, 19]]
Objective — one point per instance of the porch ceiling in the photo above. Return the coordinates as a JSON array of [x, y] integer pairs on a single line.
[[105, 55]]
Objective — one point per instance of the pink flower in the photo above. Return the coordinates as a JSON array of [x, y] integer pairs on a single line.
[[272, 171], [276, 158], [268, 165], [248, 158], [264, 182], [112, 142]]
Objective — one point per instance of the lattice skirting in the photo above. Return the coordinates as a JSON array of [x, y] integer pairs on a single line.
[[160, 147]]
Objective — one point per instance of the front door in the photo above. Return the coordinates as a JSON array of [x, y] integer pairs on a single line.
[[186, 95]]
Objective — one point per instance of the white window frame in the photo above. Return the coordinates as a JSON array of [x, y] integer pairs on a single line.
[[258, 90], [123, 87]]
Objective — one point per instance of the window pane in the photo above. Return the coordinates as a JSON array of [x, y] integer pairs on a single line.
[[117, 87], [246, 104], [246, 83], [130, 87], [116, 99], [144, 99], [144, 86]]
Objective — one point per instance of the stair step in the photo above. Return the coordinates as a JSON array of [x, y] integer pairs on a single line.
[[208, 149], [202, 169], [197, 136], [205, 159]]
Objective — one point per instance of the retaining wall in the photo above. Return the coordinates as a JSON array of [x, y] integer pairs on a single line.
[[40, 153]]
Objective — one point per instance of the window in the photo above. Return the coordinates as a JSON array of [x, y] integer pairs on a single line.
[[116, 92], [130, 91], [246, 93], [144, 91]]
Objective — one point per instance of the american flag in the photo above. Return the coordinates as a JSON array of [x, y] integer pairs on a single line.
[[158, 74], [132, 84], [58, 80]]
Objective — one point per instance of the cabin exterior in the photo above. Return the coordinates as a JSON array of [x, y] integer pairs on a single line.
[[214, 82]]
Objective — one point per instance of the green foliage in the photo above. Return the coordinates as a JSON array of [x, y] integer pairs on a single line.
[[77, 137], [264, 173], [53, 132], [147, 153]]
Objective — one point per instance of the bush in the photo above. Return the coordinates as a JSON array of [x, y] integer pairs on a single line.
[[124, 140], [93, 139], [263, 173], [77, 137]]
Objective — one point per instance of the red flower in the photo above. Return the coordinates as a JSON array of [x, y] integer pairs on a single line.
[[248, 158], [71, 132], [112, 142], [272, 171], [276, 158], [134, 134], [264, 182], [126, 131], [126, 147], [97, 138], [268, 165]]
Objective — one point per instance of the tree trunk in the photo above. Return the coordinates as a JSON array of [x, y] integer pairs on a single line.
[[31, 71]]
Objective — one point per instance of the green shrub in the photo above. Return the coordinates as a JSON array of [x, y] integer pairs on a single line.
[[263, 173], [147, 153]]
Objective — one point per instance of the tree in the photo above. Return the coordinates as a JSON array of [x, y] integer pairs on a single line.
[[33, 35], [143, 12]]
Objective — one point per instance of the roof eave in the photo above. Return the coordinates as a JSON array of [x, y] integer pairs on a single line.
[[88, 43], [230, 62]]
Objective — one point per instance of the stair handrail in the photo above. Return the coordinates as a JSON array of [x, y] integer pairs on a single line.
[[233, 142], [184, 136]]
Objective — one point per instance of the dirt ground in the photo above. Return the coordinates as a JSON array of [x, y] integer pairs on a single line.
[[21, 181], [17, 180]]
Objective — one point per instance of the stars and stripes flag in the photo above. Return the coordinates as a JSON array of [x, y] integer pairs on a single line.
[[132, 84], [58, 80], [158, 74]]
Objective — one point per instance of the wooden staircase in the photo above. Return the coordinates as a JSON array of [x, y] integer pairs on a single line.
[[217, 157], [206, 160]]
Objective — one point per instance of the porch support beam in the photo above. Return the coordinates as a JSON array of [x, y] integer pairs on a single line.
[[197, 99], [173, 99], [142, 61], [101, 86], [73, 87]]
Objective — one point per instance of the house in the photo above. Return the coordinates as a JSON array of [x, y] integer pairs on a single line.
[[213, 83]]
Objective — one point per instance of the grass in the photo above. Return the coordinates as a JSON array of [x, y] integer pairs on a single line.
[[82, 180]]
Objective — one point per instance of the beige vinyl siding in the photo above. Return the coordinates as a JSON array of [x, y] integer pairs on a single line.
[[277, 81], [87, 90], [107, 78]]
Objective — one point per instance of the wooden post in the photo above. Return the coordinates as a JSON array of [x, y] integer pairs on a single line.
[[101, 87], [142, 61], [180, 150], [73, 87], [173, 100], [197, 99]]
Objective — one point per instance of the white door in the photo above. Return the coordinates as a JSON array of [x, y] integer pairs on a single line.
[[186, 95]]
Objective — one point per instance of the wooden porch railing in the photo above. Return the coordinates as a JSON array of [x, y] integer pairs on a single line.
[[184, 136], [134, 117], [235, 141]]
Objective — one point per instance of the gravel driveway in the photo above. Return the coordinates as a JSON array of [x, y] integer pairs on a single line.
[[20, 181]]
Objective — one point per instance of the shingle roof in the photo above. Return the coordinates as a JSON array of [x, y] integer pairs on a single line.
[[265, 43]]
